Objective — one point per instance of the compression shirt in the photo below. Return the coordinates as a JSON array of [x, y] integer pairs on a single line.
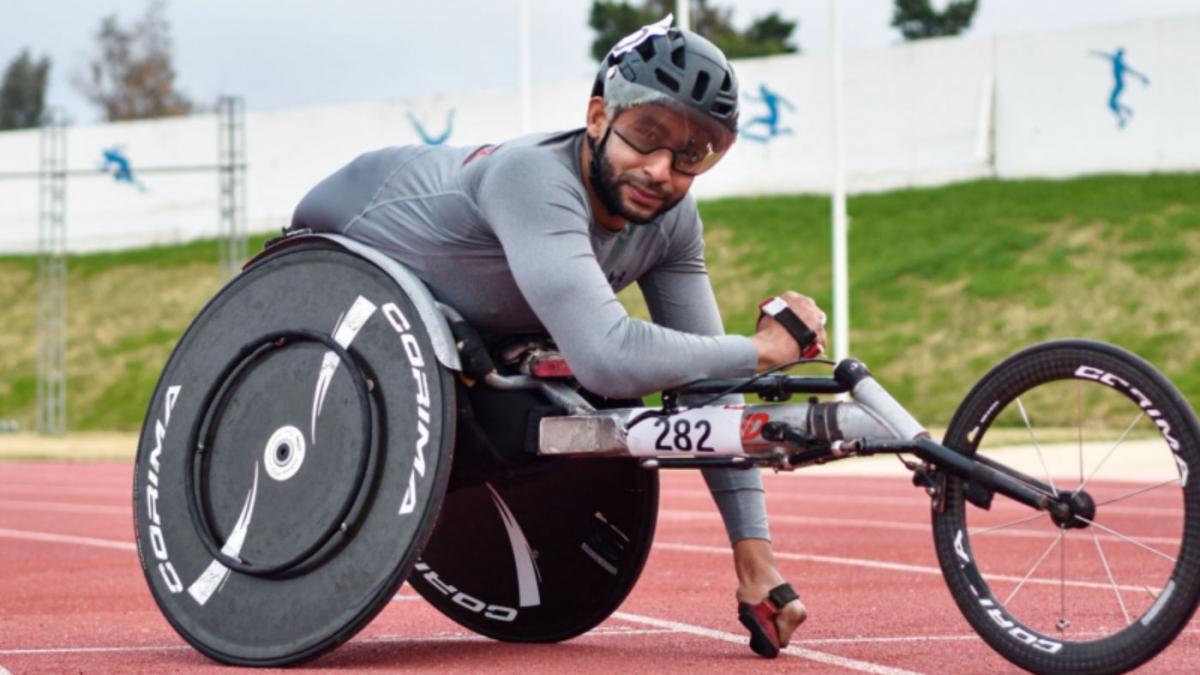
[[505, 235]]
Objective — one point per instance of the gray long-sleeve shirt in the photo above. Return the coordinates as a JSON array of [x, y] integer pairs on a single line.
[[505, 235]]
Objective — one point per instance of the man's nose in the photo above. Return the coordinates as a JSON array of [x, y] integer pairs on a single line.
[[658, 165]]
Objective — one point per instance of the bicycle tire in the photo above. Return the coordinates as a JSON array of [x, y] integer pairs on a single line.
[[1108, 373]]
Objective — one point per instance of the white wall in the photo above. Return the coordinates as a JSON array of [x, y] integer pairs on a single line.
[[18, 199], [1052, 101], [911, 118], [102, 214], [916, 114]]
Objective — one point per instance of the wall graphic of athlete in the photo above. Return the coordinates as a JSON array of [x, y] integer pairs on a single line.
[[117, 162], [433, 140], [1122, 111], [771, 120]]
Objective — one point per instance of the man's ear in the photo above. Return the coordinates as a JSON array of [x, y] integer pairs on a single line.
[[597, 118]]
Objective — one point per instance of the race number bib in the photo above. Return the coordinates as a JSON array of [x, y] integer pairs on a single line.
[[701, 431]]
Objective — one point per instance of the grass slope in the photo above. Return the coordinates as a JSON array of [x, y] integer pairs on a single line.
[[944, 283]]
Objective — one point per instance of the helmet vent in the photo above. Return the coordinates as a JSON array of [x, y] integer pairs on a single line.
[[666, 80], [700, 86], [727, 84], [721, 109], [646, 50], [677, 57]]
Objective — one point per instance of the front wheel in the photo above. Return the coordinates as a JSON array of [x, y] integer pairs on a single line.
[[1112, 576]]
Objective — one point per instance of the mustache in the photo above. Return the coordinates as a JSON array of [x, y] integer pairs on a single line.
[[656, 189]]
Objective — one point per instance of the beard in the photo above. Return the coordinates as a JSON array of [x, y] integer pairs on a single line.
[[607, 186]]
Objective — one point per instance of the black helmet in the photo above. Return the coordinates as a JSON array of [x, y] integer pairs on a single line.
[[671, 62]]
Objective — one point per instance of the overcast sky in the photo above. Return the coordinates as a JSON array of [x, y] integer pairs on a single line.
[[280, 54]]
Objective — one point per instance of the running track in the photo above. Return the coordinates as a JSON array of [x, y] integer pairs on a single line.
[[859, 551]]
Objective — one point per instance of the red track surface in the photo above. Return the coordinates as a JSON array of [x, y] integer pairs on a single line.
[[858, 550]]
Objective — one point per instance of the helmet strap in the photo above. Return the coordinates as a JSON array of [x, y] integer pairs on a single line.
[[597, 167]]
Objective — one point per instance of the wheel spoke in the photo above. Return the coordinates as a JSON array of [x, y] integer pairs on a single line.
[[1079, 391], [1126, 539], [1011, 523], [1033, 569], [1111, 579], [1108, 454], [1062, 585], [1137, 492], [1037, 447], [1111, 597]]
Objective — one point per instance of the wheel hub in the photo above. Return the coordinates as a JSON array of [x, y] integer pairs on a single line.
[[1073, 511]]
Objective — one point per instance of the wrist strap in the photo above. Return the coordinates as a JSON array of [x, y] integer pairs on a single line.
[[776, 308]]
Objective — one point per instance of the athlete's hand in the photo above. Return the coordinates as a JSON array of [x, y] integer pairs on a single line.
[[775, 344]]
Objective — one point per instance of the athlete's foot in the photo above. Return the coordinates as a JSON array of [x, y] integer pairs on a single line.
[[757, 575]]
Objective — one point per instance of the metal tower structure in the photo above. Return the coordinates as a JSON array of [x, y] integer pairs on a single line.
[[52, 277], [231, 171]]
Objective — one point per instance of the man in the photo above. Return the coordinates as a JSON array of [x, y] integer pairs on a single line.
[[539, 233]]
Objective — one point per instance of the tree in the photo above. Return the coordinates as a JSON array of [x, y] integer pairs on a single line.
[[918, 20], [23, 92], [613, 20], [133, 76]]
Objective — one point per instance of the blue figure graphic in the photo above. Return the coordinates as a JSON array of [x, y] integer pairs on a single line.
[[770, 120], [432, 140], [117, 162], [1122, 111]]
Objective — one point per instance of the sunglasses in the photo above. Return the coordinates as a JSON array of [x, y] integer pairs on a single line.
[[692, 160]]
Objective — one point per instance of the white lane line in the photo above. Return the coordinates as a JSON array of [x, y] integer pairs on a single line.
[[808, 557], [620, 630], [30, 505], [689, 548], [374, 639], [67, 489], [891, 566], [91, 650], [886, 639], [599, 630], [685, 515], [918, 499], [801, 652], [462, 637], [863, 640], [842, 523], [67, 539], [915, 499]]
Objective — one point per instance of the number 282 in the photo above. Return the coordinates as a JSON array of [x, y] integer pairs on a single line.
[[681, 434]]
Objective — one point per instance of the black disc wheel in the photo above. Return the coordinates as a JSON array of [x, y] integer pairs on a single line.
[[293, 460], [541, 556], [1108, 574]]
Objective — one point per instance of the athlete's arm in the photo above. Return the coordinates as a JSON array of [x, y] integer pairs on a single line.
[[541, 221], [680, 296], [775, 345]]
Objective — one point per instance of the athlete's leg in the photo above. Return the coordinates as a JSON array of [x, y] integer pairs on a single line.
[[741, 500], [754, 561]]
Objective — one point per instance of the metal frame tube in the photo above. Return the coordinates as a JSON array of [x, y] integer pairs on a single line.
[[605, 433], [996, 478]]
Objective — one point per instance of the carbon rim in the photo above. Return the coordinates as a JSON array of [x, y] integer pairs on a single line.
[[1109, 585]]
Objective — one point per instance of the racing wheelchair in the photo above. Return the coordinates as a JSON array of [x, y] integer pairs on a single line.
[[325, 431]]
